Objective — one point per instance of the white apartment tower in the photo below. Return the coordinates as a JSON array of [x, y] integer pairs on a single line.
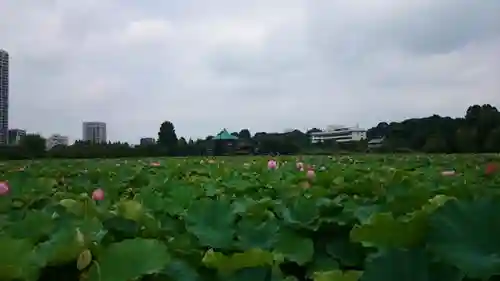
[[94, 132], [4, 97]]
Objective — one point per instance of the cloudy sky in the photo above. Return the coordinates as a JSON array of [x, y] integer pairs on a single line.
[[266, 65]]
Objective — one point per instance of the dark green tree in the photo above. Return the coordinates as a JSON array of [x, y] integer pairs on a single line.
[[167, 138], [435, 144], [465, 139], [484, 119], [33, 145], [245, 134], [492, 143]]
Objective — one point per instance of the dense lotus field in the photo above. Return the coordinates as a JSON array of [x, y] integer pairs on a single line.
[[369, 218]]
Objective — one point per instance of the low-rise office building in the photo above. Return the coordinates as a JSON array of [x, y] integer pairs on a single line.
[[147, 141], [56, 140], [339, 134], [15, 136]]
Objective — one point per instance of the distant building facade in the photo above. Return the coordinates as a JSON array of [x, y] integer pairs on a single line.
[[147, 141], [94, 132], [375, 143], [339, 134], [56, 140], [15, 136], [4, 97]]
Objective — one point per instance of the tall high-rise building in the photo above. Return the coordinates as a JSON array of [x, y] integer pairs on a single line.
[[4, 97], [94, 132]]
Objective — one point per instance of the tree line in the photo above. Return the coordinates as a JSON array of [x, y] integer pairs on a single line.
[[477, 132]]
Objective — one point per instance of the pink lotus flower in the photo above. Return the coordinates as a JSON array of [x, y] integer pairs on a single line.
[[155, 164], [299, 165], [448, 173], [4, 188], [311, 174], [98, 194], [272, 164]]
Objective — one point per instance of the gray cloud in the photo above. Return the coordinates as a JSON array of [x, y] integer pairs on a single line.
[[263, 65]]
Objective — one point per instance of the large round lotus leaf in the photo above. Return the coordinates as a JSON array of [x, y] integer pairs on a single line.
[[63, 246], [467, 235], [72, 205], [129, 260], [130, 209], [408, 265], [17, 264], [212, 222]]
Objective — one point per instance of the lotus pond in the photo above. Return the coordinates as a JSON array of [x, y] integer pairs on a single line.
[[344, 218]]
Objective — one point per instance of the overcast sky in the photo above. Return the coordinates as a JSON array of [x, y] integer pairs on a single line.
[[266, 65]]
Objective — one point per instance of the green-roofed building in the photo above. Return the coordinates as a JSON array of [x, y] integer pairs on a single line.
[[225, 135], [224, 143]]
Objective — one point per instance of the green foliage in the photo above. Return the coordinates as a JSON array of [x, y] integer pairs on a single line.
[[466, 234], [478, 131], [167, 137], [364, 218], [130, 259], [245, 134]]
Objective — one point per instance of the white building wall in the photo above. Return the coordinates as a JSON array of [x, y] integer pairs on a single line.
[[339, 134], [55, 140]]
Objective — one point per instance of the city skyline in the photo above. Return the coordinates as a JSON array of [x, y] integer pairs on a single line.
[[261, 65]]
